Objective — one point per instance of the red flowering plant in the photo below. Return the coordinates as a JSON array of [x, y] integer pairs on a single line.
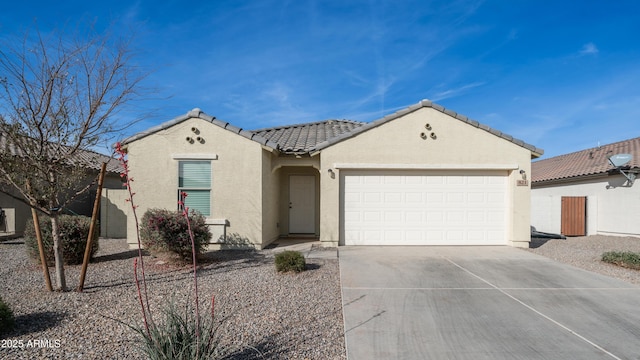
[[177, 337]]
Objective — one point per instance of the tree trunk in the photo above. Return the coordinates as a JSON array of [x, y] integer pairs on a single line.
[[57, 253]]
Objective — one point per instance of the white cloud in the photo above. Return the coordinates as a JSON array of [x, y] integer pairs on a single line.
[[449, 93], [589, 49]]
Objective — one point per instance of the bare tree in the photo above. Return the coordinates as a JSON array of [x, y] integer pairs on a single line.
[[58, 98]]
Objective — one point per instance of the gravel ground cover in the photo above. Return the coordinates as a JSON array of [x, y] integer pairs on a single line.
[[586, 253], [261, 314]]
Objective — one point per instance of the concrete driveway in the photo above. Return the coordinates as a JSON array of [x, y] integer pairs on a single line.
[[482, 303]]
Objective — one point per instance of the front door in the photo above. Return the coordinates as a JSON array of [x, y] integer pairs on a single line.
[[302, 204]]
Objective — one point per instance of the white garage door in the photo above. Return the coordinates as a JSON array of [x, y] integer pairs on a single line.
[[436, 208]]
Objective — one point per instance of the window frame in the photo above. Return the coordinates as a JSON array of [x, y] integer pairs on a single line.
[[186, 189]]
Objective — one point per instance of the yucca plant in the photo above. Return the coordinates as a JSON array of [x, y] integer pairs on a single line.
[[180, 336]]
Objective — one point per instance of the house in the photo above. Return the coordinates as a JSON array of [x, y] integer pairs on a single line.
[[424, 175], [14, 213], [583, 193]]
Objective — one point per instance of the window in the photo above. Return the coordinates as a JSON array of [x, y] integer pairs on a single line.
[[194, 178]]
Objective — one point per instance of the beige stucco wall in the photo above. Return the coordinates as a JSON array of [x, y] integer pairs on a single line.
[[612, 209], [399, 143], [271, 196], [113, 213], [237, 180], [17, 214]]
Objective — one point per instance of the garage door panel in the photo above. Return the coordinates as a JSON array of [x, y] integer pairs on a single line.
[[455, 236], [476, 217], [352, 216], [372, 180], [455, 218], [414, 218], [434, 218], [455, 197], [393, 197], [435, 198], [372, 198], [476, 180], [424, 209], [372, 216], [495, 198], [415, 198]]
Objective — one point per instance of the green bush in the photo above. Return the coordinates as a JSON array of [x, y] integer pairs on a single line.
[[625, 259], [290, 261], [166, 231], [6, 318], [74, 231]]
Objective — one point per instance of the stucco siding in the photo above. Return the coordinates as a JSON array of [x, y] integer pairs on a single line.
[[407, 142], [271, 196], [16, 215], [236, 181], [611, 208]]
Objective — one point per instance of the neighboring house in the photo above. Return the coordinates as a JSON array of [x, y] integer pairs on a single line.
[[582, 193], [14, 213], [421, 176]]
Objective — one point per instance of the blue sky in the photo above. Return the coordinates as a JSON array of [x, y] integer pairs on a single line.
[[561, 75]]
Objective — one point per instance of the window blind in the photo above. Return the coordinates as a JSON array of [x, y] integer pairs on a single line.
[[195, 181]]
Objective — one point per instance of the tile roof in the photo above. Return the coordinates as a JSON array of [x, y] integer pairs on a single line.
[[303, 138], [84, 158], [197, 113], [587, 162], [535, 152], [313, 137]]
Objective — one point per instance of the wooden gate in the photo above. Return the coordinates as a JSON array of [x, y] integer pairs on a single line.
[[574, 216]]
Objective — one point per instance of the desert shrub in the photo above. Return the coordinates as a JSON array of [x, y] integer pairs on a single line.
[[175, 336], [6, 318], [166, 231], [74, 231], [290, 261], [625, 259]]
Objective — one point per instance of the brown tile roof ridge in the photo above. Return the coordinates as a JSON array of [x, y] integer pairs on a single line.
[[588, 162]]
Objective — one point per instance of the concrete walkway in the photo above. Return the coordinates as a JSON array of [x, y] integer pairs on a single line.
[[310, 248], [482, 303]]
